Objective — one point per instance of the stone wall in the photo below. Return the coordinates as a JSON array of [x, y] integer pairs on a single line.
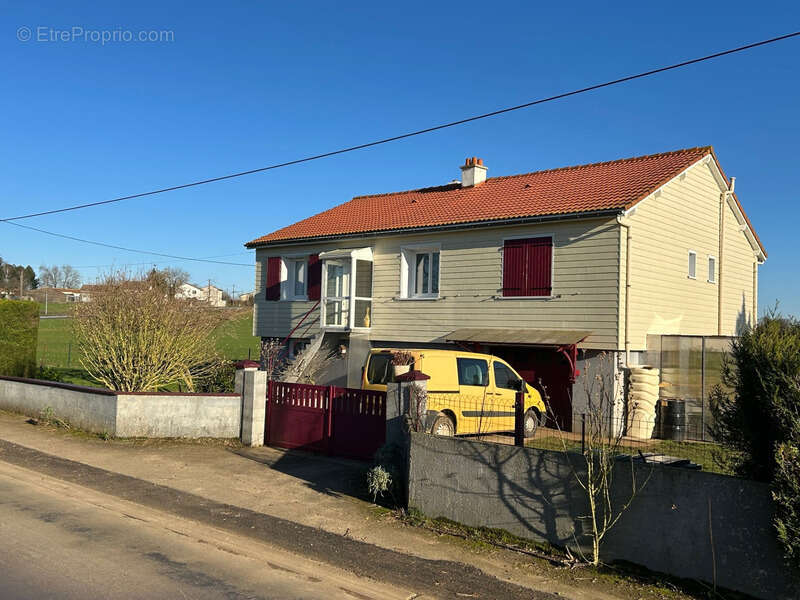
[[534, 494], [121, 414]]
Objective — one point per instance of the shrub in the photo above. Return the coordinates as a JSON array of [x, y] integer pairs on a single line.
[[759, 419], [786, 494], [379, 482], [49, 374], [762, 408], [19, 330], [220, 379], [134, 337]]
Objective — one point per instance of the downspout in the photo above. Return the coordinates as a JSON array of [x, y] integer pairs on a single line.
[[626, 226], [723, 202], [755, 292]]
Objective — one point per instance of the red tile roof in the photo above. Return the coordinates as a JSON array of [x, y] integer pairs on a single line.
[[606, 186]]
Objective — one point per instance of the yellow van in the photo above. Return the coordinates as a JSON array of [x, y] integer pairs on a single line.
[[468, 393]]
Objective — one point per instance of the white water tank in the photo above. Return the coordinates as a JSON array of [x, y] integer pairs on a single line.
[[642, 399]]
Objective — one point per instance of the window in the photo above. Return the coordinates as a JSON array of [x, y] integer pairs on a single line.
[[380, 369], [472, 371], [504, 377], [420, 273], [528, 267], [712, 269], [296, 279], [692, 264]]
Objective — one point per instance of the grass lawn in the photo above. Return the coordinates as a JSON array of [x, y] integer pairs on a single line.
[[57, 308], [233, 339], [701, 453], [55, 343]]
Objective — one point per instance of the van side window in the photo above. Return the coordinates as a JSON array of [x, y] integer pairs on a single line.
[[504, 377], [380, 369], [473, 371]]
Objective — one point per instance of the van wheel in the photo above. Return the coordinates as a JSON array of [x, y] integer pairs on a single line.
[[443, 425], [530, 422]]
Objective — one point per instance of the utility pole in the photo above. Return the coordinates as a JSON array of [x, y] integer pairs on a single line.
[[209, 291], [20, 282]]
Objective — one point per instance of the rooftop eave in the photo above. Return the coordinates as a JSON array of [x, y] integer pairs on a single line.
[[611, 212]]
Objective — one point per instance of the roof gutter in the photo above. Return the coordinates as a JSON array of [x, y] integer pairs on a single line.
[[437, 228]]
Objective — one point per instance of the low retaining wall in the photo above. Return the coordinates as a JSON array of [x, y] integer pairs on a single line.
[[533, 493], [119, 414]]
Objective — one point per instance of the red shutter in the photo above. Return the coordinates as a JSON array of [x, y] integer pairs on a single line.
[[527, 267], [539, 255], [314, 277], [514, 268], [273, 291]]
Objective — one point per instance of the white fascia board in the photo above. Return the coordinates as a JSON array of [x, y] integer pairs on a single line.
[[709, 162]]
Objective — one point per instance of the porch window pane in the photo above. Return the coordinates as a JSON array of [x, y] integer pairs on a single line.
[[336, 312], [435, 273], [363, 314], [363, 279], [422, 274]]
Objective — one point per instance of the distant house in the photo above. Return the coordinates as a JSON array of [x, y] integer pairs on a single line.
[[54, 294], [211, 294], [546, 269], [247, 297]]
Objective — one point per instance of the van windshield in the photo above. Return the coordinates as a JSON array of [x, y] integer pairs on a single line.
[[380, 370]]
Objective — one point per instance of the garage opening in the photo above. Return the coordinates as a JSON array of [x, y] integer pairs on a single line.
[[545, 358]]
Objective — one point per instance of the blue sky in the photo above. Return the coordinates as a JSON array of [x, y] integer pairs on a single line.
[[245, 84]]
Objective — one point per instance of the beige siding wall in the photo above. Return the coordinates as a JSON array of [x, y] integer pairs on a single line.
[[585, 285], [737, 277], [664, 228], [277, 319]]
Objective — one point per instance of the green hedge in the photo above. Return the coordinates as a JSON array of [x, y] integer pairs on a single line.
[[19, 329]]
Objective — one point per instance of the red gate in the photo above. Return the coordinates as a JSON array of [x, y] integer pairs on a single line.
[[338, 421]]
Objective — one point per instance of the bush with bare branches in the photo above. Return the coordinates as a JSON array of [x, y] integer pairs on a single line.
[[133, 337], [602, 458]]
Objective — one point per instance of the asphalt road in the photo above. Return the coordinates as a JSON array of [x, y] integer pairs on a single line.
[[61, 540]]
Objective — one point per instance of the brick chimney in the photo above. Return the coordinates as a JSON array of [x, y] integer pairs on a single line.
[[473, 173]]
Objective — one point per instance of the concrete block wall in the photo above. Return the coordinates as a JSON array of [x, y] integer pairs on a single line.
[[178, 415], [87, 408], [533, 493], [158, 415]]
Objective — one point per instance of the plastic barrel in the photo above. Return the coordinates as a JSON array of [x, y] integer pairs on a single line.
[[672, 419]]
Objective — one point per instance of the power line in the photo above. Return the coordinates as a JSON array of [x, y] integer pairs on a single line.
[[413, 133], [103, 244], [151, 262]]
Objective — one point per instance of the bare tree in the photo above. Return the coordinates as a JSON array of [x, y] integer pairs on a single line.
[[70, 278], [49, 276], [133, 337], [602, 457], [170, 279], [64, 276]]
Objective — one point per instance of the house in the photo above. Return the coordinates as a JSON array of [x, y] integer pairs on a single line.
[[547, 269], [209, 293], [54, 294]]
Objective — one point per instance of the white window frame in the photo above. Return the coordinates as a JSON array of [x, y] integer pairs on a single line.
[[288, 277], [350, 256], [689, 273], [708, 264], [408, 261]]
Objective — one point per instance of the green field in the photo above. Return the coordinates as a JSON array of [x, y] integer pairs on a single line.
[[234, 339], [56, 308]]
